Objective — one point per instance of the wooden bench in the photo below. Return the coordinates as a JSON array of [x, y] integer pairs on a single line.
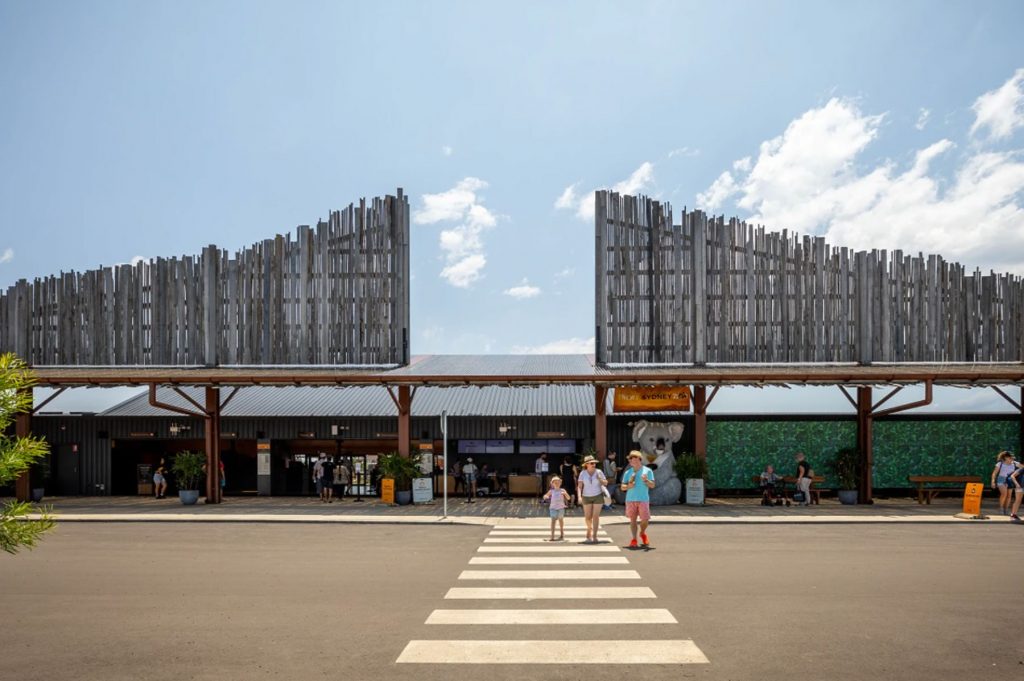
[[930, 486], [789, 480]]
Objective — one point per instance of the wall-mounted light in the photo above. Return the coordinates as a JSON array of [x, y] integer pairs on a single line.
[[504, 428], [335, 429]]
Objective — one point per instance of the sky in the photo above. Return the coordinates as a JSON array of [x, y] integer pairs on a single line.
[[141, 129]]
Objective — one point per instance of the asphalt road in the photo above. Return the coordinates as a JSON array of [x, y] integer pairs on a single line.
[[251, 601]]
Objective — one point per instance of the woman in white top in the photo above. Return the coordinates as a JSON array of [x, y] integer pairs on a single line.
[[589, 488], [1015, 486], [1000, 480]]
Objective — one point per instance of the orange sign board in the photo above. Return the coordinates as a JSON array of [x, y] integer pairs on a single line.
[[387, 490], [972, 498], [665, 398]]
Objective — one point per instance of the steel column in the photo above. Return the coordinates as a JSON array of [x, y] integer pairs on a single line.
[[700, 421], [864, 444], [23, 428], [212, 428], [601, 421]]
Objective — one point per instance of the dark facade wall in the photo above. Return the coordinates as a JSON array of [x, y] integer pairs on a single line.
[[738, 446]]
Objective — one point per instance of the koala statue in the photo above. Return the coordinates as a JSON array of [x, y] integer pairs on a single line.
[[655, 441]]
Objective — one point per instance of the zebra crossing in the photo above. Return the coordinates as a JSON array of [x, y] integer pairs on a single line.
[[526, 555]]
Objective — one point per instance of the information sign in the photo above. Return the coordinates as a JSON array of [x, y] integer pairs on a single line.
[[422, 490], [387, 490], [972, 498]]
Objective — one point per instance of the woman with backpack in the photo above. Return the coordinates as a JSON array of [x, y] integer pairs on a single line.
[[1004, 468]]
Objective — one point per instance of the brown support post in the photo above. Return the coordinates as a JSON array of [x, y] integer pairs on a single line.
[[864, 444], [601, 421], [213, 493], [404, 421], [700, 421], [23, 428]]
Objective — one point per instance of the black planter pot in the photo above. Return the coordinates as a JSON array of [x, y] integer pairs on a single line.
[[403, 498], [37, 494]]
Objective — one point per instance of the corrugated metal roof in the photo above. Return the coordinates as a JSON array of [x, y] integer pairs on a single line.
[[497, 365], [259, 401]]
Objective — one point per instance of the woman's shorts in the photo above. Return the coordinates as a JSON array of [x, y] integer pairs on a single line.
[[596, 499], [1001, 480], [158, 479], [556, 513], [638, 509]]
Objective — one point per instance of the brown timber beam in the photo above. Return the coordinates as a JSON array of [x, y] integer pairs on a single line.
[[864, 445], [212, 430], [404, 404], [601, 421], [23, 428]]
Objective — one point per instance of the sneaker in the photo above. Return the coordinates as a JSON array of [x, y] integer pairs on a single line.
[[643, 539], [1015, 518], [632, 544]]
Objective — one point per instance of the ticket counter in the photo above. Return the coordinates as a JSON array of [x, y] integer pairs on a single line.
[[524, 485]]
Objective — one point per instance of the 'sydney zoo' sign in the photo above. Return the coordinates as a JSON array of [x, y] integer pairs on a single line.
[[652, 399]]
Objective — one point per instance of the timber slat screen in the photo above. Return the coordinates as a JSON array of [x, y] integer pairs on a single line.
[[333, 295], [721, 291]]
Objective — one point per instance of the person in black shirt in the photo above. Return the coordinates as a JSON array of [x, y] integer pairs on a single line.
[[804, 477], [327, 480]]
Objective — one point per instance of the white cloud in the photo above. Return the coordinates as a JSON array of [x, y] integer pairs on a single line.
[[639, 182], [812, 179], [567, 346], [684, 151], [1001, 111], [523, 291], [462, 244], [723, 188], [450, 205], [7, 256], [922, 119], [447, 150], [569, 197], [565, 274]]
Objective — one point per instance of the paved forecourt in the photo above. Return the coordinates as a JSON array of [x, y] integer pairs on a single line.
[[588, 587]]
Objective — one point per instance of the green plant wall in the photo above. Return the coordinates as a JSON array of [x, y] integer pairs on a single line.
[[738, 450], [905, 448]]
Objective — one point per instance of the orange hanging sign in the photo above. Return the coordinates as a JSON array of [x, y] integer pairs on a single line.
[[972, 498], [664, 398], [387, 490]]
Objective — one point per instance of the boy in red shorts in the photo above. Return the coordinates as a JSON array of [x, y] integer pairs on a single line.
[[637, 483]]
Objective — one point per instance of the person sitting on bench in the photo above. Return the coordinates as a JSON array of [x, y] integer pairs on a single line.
[[769, 495]]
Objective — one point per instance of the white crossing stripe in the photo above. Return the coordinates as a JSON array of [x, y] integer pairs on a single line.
[[554, 547], [548, 560], [531, 593], [561, 616], [527, 540], [538, 530], [549, 574], [545, 533], [552, 652]]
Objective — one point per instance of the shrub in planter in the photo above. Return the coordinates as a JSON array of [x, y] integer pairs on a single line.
[[402, 470], [690, 467], [846, 469], [189, 474]]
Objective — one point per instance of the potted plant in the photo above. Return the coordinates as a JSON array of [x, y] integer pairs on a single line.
[[846, 469], [188, 469], [39, 475], [693, 470], [401, 469]]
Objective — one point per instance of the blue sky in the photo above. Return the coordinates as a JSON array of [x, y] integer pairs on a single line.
[[140, 129]]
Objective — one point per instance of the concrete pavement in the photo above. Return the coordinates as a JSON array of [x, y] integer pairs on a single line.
[[489, 511]]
